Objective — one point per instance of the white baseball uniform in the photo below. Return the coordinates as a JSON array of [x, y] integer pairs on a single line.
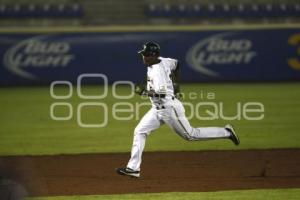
[[167, 110]]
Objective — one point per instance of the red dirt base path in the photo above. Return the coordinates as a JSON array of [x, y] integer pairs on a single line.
[[161, 172]]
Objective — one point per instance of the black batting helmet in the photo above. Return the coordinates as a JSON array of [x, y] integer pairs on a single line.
[[150, 49]]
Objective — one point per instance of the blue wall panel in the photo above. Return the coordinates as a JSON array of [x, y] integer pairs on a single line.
[[239, 55]]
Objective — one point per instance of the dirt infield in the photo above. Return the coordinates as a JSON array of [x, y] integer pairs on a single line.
[[161, 172]]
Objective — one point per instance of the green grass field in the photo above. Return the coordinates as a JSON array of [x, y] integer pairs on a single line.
[[290, 194], [27, 129]]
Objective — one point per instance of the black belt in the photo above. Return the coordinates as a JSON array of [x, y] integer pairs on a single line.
[[160, 107]]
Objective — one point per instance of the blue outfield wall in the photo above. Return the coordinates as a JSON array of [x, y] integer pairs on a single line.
[[207, 55]]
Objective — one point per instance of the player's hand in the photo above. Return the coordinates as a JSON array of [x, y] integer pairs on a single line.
[[178, 96], [177, 93], [151, 93], [139, 88], [176, 88]]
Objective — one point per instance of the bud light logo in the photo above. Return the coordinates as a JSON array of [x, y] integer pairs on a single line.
[[218, 50], [34, 53]]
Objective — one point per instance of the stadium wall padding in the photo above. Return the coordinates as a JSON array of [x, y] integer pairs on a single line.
[[205, 55]]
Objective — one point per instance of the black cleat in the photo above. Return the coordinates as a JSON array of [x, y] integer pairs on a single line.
[[233, 136], [128, 172]]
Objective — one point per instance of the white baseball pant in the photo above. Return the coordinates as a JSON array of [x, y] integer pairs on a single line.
[[174, 116]]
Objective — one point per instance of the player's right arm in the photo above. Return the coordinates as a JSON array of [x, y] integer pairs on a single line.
[[140, 89]]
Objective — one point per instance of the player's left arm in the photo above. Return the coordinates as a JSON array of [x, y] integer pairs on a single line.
[[175, 77]]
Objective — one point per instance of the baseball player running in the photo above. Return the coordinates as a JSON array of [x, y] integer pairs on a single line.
[[162, 89]]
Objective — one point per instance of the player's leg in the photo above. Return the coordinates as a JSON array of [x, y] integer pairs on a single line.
[[148, 123], [182, 127]]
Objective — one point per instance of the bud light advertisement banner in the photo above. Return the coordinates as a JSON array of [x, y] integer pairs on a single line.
[[205, 56]]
